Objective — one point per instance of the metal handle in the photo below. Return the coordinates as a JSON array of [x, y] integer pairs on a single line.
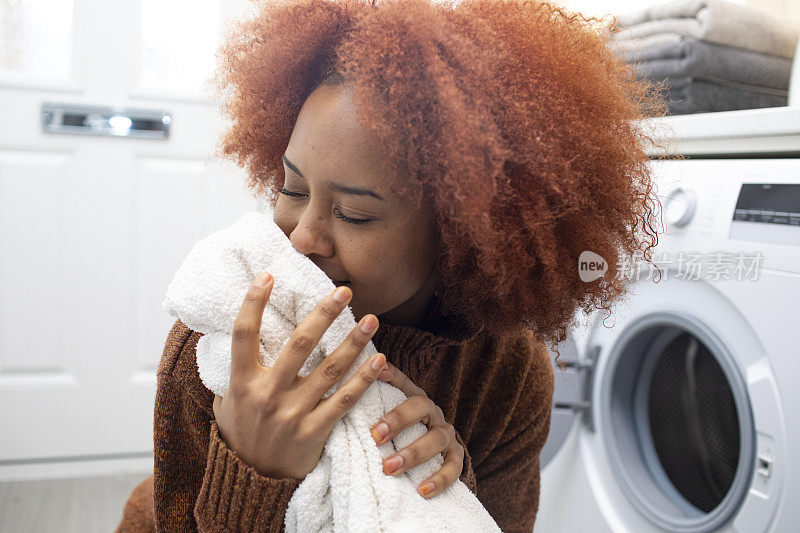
[[105, 120], [584, 405]]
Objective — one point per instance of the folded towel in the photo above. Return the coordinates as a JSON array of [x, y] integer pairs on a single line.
[[624, 47], [687, 95], [347, 490], [691, 57], [715, 21]]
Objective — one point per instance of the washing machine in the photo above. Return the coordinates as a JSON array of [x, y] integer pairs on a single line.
[[679, 409]]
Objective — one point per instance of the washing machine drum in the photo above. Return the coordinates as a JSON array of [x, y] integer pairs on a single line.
[[693, 422], [681, 438]]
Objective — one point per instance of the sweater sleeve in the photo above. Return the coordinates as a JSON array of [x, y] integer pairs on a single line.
[[199, 483], [508, 477], [235, 497]]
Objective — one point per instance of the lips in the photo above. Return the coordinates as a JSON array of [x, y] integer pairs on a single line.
[[335, 281]]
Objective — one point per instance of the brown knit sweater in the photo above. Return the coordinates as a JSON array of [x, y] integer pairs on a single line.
[[497, 393]]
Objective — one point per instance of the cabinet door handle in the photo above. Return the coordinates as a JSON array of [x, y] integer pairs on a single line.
[[111, 121]]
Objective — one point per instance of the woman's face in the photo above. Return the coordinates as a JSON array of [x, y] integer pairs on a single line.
[[337, 208]]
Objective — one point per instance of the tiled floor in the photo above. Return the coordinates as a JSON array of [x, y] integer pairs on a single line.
[[81, 505]]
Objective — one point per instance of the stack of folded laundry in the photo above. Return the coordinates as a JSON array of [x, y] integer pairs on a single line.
[[710, 55]]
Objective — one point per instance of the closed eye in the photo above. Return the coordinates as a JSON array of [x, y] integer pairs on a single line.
[[336, 211], [290, 193], [344, 217]]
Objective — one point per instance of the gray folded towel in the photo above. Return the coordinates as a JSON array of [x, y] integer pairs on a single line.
[[715, 21], [691, 57], [686, 95]]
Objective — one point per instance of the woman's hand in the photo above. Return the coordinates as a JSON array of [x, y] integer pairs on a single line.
[[441, 436], [275, 419]]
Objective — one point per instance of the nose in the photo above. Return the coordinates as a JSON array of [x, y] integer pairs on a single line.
[[310, 235]]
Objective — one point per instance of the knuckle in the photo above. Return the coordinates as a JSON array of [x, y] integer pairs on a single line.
[[287, 418], [266, 387], [267, 408], [255, 294], [442, 438], [307, 432], [328, 310], [347, 399], [392, 419], [460, 455], [366, 378], [358, 341], [332, 371], [439, 480], [423, 403], [301, 343], [242, 331], [413, 455]]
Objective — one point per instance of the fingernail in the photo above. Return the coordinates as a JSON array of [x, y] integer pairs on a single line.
[[380, 431], [392, 464], [262, 279], [340, 295], [369, 324], [425, 488], [378, 361]]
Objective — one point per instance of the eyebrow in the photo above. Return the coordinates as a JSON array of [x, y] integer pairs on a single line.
[[339, 187]]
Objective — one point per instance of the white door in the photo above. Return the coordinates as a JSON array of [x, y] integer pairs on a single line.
[[92, 227]]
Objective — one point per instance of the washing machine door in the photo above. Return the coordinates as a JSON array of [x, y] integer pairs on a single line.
[[683, 426]]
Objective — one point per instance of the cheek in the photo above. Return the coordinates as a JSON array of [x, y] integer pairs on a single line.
[[391, 269], [365, 259]]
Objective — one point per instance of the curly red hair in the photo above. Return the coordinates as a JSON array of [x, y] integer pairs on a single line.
[[512, 116]]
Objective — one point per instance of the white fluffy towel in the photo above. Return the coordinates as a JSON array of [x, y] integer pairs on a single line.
[[347, 490]]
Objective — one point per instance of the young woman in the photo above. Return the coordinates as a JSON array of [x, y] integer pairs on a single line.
[[445, 164]]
